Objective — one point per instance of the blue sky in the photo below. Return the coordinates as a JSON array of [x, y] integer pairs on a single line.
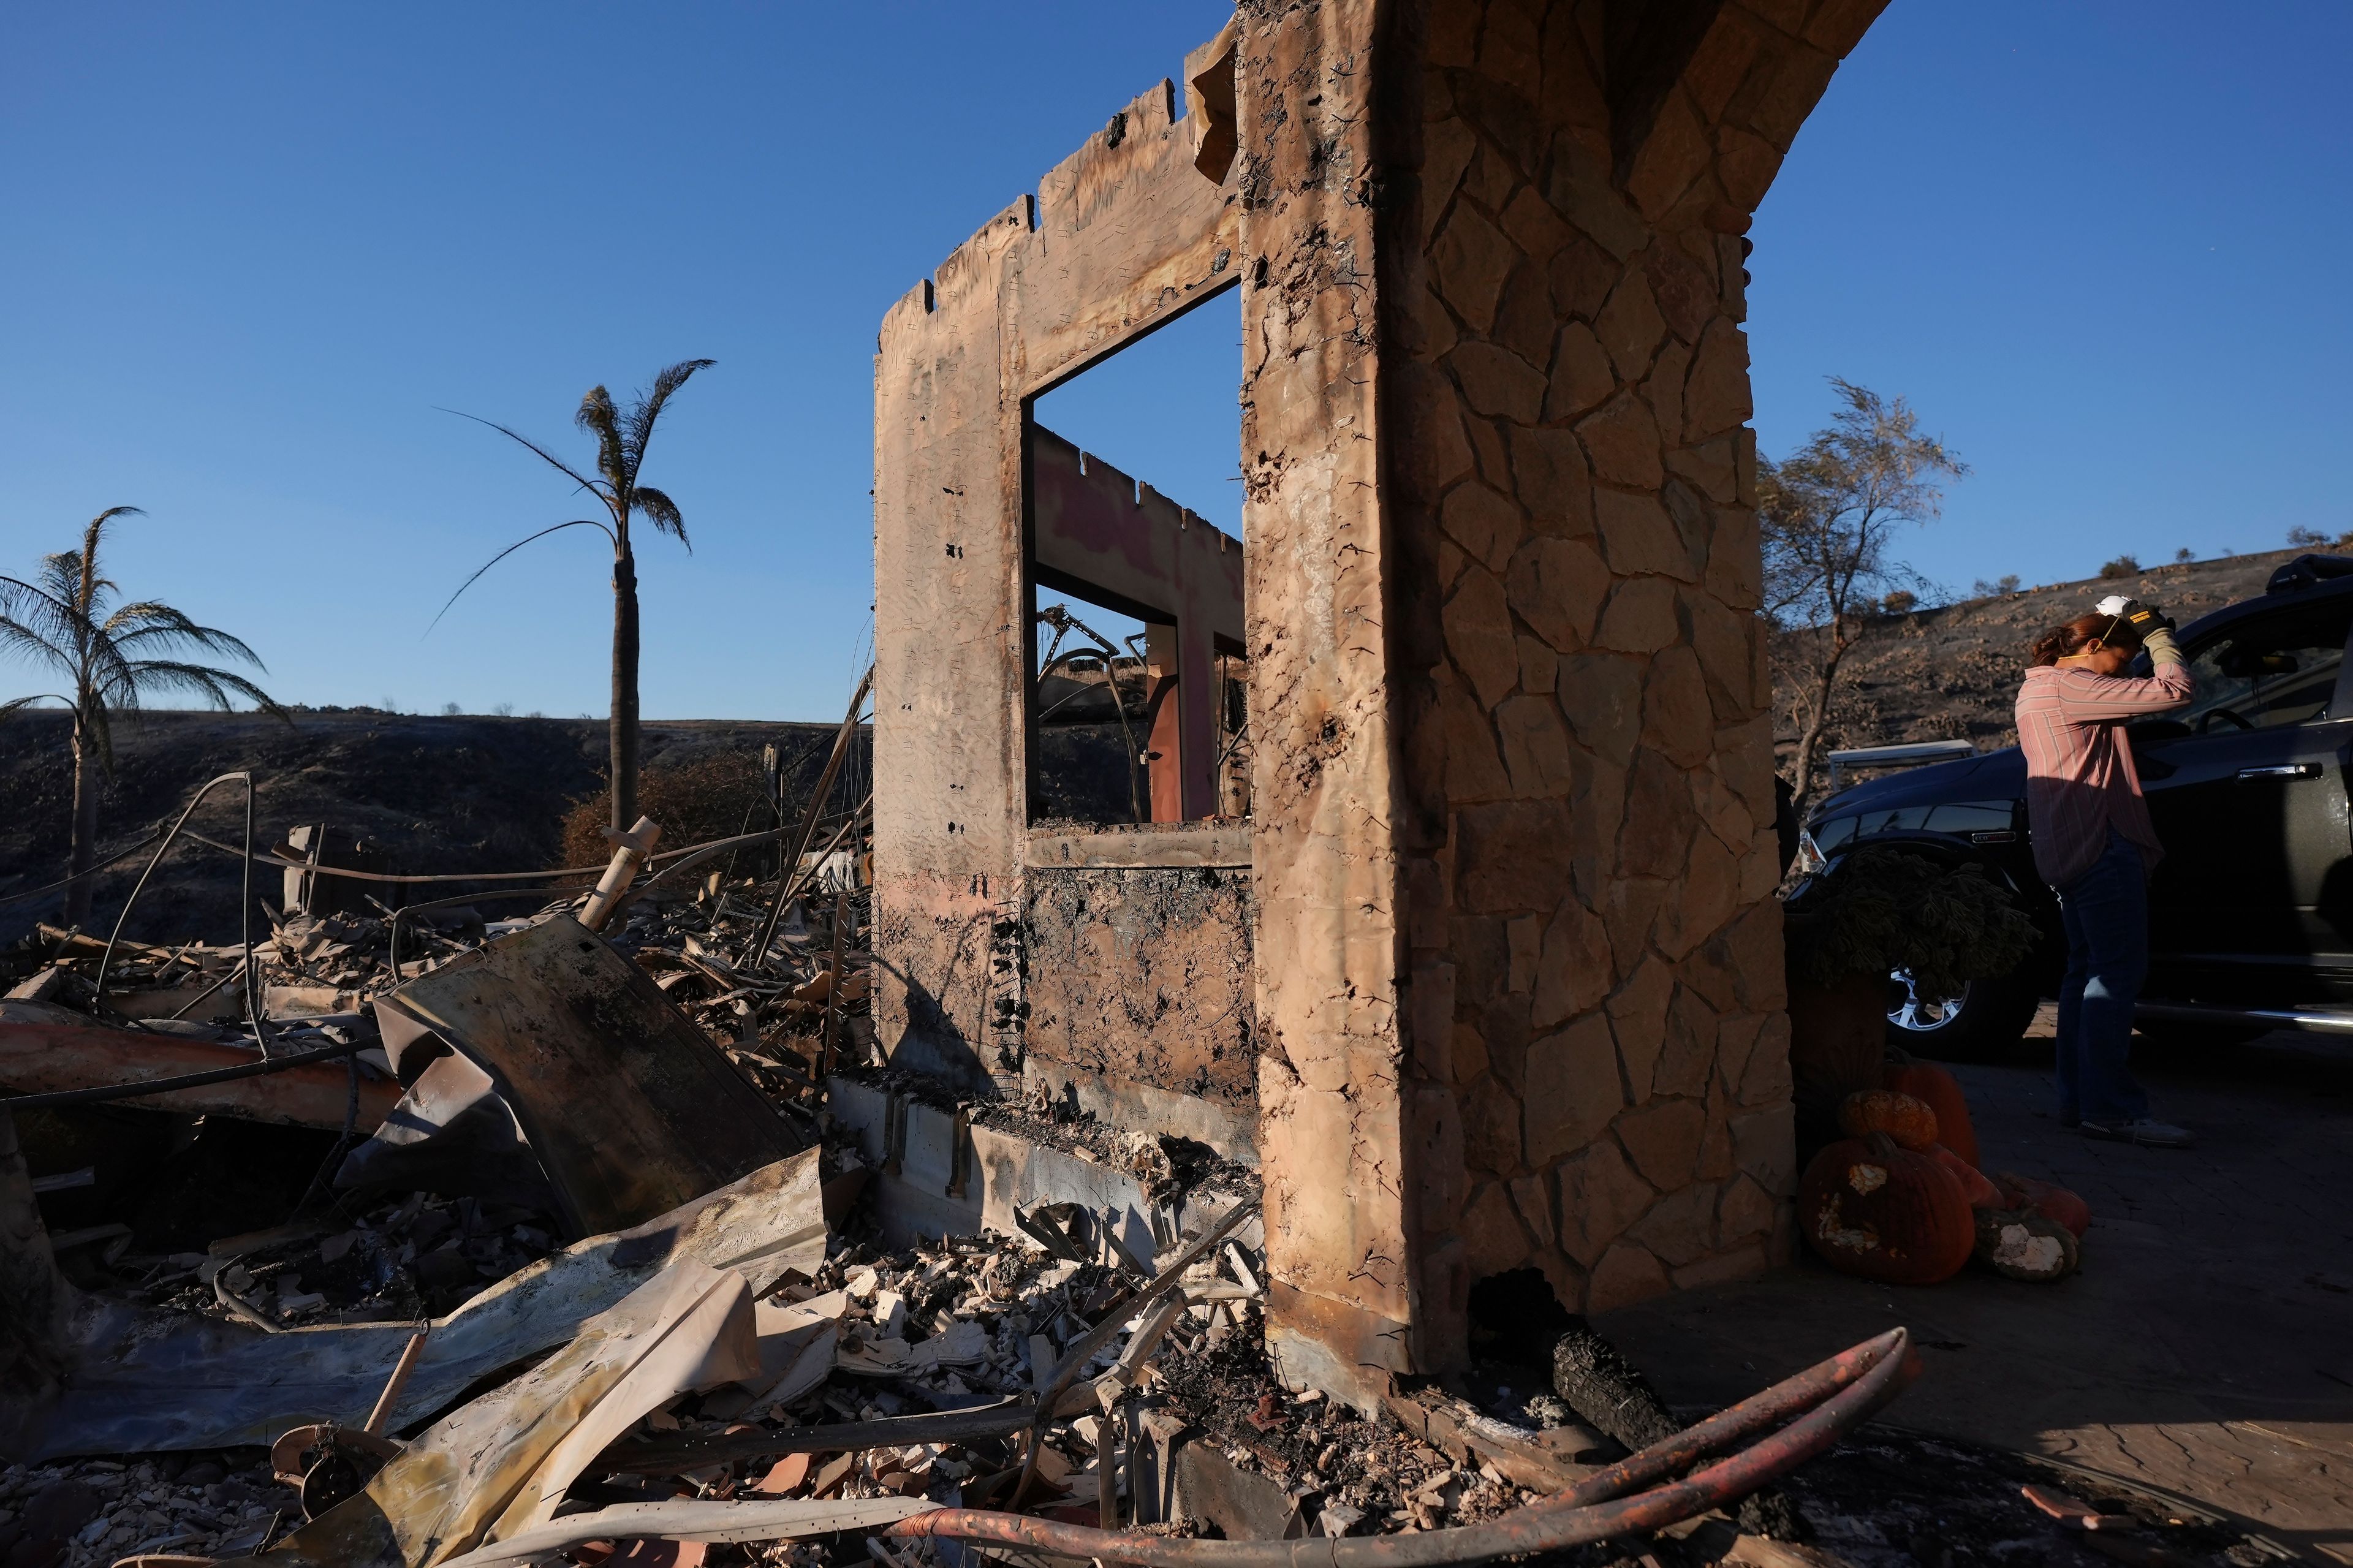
[[2101, 248], [252, 251]]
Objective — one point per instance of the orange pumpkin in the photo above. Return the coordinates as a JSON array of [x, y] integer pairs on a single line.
[[2029, 1195], [1909, 1121], [1981, 1194], [1870, 1209], [1940, 1091]]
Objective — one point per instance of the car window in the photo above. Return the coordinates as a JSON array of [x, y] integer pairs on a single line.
[[1950, 816], [1970, 816], [2277, 670]]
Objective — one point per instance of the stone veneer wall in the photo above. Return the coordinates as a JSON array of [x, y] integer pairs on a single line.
[[1522, 993], [1592, 917]]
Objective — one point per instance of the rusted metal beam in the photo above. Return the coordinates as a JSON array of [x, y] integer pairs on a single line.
[[37, 1056], [630, 1109]]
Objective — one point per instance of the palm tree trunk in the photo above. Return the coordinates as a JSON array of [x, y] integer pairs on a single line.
[[623, 728], [85, 825]]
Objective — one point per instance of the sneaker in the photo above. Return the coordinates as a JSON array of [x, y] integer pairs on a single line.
[[2149, 1132]]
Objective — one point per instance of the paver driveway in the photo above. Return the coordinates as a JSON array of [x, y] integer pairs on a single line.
[[2207, 1346]]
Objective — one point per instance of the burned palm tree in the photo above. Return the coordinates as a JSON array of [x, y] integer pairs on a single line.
[[112, 657], [621, 438]]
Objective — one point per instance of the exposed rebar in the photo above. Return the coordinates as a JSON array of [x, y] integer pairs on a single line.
[[253, 1007], [841, 744]]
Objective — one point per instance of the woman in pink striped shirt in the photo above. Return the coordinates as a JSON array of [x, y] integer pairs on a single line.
[[2094, 845]]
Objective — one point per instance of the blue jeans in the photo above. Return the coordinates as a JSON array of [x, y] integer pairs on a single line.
[[2106, 915]]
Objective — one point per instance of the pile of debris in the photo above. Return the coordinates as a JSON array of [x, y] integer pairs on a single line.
[[749, 1367], [731, 1350], [787, 1018], [1322, 1464], [318, 973], [757, 998], [416, 1258], [739, 1451], [88, 1512], [596, 1254]]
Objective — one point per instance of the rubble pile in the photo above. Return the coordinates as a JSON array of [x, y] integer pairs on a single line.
[[419, 1256], [970, 1323], [771, 1016], [591, 1258], [954, 1345], [887, 1382], [1357, 1476], [319, 973], [89, 1513]]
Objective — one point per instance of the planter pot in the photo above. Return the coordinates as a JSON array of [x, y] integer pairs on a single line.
[[1837, 1044]]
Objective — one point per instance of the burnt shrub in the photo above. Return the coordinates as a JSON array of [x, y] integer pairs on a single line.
[[714, 795]]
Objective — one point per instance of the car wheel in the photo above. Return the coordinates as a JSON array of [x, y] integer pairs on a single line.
[[1983, 1021]]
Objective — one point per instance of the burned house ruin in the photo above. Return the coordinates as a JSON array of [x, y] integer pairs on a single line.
[[1482, 963]]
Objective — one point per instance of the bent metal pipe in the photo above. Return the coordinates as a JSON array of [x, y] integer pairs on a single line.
[[1829, 1400]]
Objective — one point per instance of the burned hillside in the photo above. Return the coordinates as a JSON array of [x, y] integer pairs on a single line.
[[1952, 672], [426, 795]]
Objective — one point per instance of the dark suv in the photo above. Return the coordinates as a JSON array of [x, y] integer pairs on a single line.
[[2251, 913]]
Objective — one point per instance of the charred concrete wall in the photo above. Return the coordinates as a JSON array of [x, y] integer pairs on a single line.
[[1346, 1153], [995, 940], [1141, 997]]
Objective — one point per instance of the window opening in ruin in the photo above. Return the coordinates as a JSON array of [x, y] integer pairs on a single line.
[[1139, 688]]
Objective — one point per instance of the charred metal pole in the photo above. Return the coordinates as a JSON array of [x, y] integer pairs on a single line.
[[841, 741], [833, 993]]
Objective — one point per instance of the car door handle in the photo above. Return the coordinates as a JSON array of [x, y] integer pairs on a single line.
[[2284, 771]]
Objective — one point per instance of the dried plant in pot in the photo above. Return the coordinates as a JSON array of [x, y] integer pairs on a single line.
[[1873, 912]]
